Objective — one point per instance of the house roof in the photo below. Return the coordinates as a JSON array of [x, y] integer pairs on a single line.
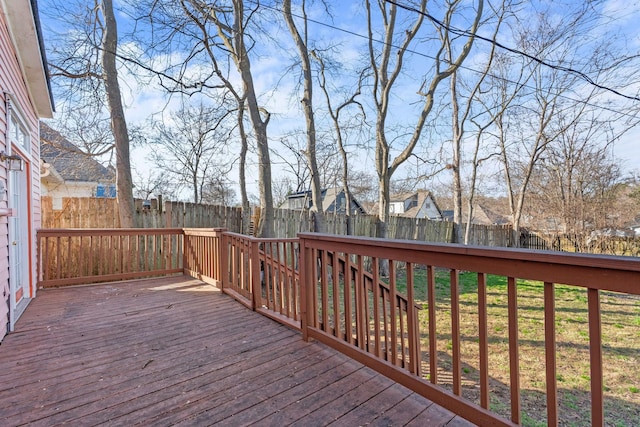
[[481, 215], [486, 216], [421, 195], [24, 26], [329, 196], [401, 197], [67, 159]]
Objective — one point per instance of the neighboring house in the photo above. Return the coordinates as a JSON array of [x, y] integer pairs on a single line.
[[333, 200], [68, 172], [26, 97], [481, 215], [419, 204], [635, 226]]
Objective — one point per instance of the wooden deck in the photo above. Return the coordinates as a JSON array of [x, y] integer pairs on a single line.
[[176, 351]]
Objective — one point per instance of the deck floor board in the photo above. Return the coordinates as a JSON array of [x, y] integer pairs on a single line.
[[175, 351]]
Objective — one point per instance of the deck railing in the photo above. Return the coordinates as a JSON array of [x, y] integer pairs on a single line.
[[81, 256], [202, 252], [371, 331], [263, 274], [378, 301]]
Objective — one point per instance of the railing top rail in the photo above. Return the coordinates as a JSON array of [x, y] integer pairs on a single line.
[[106, 231], [262, 239], [606, 272], [206, 232]]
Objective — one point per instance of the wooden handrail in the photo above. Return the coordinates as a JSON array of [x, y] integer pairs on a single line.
[[82, 256], [591, 272]]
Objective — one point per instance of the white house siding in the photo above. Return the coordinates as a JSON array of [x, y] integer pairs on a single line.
[[428, 210], [59, 191]]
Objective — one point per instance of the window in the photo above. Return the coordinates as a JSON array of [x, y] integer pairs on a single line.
[[18, 134]]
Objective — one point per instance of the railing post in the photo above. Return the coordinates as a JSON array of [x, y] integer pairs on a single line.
[[223, 259], [185, 263], [254, 268], [38, 258], [595, 351], [304, 269]]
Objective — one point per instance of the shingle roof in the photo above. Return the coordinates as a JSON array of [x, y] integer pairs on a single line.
[[67, 159], [481, 215]]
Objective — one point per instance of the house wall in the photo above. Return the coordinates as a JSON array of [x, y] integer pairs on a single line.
[[429, 210], [396, 207], [58, 191], [12, 82]]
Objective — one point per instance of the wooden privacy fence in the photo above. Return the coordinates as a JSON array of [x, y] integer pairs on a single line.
[[92, 212], [377, 301]]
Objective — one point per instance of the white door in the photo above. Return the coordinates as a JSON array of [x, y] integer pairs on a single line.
[[18, 246]]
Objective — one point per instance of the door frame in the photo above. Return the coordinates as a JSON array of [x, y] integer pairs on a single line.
[[19, 297]]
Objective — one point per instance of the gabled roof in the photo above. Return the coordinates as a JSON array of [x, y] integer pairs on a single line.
[[401, 197], [485, 215], [329, 196], [481, 215], [68, 161], [421, 196]]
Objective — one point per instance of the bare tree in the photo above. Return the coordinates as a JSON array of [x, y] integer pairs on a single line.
[[154, 183], [387, 65], [244, 149], [532, 122], [124, 182], [217, 190], [215, 39], [294, 162], [464, 99], [574, 185], [231, 24], [338, 131], [301, 42], [87, 58], [191, 145], [362, 186]]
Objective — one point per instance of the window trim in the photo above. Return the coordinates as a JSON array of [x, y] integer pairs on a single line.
[[15, 115]]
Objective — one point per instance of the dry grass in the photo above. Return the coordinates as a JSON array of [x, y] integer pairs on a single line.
[[620, 336]]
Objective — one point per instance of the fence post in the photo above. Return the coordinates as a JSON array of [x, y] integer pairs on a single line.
[[168, 209]]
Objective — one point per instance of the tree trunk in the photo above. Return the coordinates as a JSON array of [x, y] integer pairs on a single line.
[[243, 64], [307, 105], [124, 183], [383, 82], [455, 167], [246, 208], [383, 216]]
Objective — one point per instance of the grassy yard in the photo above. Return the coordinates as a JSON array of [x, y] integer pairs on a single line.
[[620, 335]]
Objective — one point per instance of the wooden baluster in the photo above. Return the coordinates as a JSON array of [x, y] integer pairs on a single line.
[[514, 360]]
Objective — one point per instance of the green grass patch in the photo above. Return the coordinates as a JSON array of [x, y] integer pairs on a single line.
[[620, 334]]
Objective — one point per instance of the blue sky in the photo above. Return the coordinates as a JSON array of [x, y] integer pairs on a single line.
[[277, 86]]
